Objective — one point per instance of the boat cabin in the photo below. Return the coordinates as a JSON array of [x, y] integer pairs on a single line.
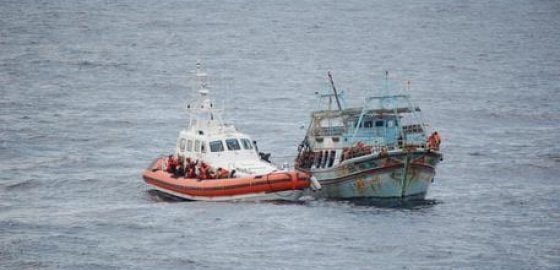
[[207, 138], [337, 135]]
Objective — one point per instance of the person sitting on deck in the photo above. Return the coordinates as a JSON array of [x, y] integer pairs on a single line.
[[189, 168], [203, 171], [360, 149], [188, 172], [192, 172], [171, 164], [181, 170], [222, 173], [210, 173]]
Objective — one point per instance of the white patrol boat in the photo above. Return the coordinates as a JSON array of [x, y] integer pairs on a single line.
[[213, 161]]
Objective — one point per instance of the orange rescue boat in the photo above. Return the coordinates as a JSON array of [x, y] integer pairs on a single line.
[[278, 185], [207, 143]]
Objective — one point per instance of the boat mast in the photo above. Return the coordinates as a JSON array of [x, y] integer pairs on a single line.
[[202, 113], [334, 90]]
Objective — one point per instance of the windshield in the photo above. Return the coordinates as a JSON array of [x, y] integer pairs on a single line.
[[216, 146], [233, 144]]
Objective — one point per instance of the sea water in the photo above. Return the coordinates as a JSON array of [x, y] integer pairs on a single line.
[[92, 91]]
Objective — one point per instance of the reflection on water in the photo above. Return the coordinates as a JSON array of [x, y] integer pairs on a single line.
[[397, 203]]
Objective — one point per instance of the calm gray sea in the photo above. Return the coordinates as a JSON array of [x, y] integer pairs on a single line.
[[92, 91]]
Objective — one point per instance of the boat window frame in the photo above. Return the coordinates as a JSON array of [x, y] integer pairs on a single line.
[[247, 145], [379, 123], [203, 146], [189, 145], [318, 159], [236, 143], [332, 156], [197, 146], [182, 145], [222, 149]]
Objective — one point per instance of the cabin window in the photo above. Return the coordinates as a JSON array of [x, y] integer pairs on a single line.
[[203, 146], [380, 123], [335, 139], [233, 144], [189, 146], [324, 158], [246, 144], [182, 145], [318, 157], [331, 159], [390, 123], [216, 146], [368, 124], [197, 146]]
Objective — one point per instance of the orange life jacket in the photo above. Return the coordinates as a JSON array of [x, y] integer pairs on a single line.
[[434, 141], [203, 171]]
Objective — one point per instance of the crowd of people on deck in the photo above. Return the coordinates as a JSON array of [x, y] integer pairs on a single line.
[[360, 149], [306, 159], [195, 169]]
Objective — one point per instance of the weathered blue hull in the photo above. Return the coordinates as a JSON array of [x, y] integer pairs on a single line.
[[396, 174]]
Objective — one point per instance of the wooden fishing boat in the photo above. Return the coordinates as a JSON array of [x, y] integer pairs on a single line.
[[213, 161], [378, 151]]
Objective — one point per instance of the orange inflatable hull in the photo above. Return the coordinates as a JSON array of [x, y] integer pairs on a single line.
[[212, 189]]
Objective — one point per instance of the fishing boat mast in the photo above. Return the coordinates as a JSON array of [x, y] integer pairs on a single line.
[[334, 90]]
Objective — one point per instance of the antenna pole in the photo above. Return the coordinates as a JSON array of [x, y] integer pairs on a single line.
[[335, 92]]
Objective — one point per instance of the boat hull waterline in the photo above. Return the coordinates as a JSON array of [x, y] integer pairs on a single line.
[[394, 175]]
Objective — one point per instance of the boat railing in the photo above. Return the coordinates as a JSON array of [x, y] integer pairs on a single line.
[[413, 128], [331, 131]]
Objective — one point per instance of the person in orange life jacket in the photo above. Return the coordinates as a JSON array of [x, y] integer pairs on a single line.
[[191, 171], [194, 169], [203, 169], [434, 140], [210, 174], [361, 149], [222, 173], [187, 167], [438, 139]]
